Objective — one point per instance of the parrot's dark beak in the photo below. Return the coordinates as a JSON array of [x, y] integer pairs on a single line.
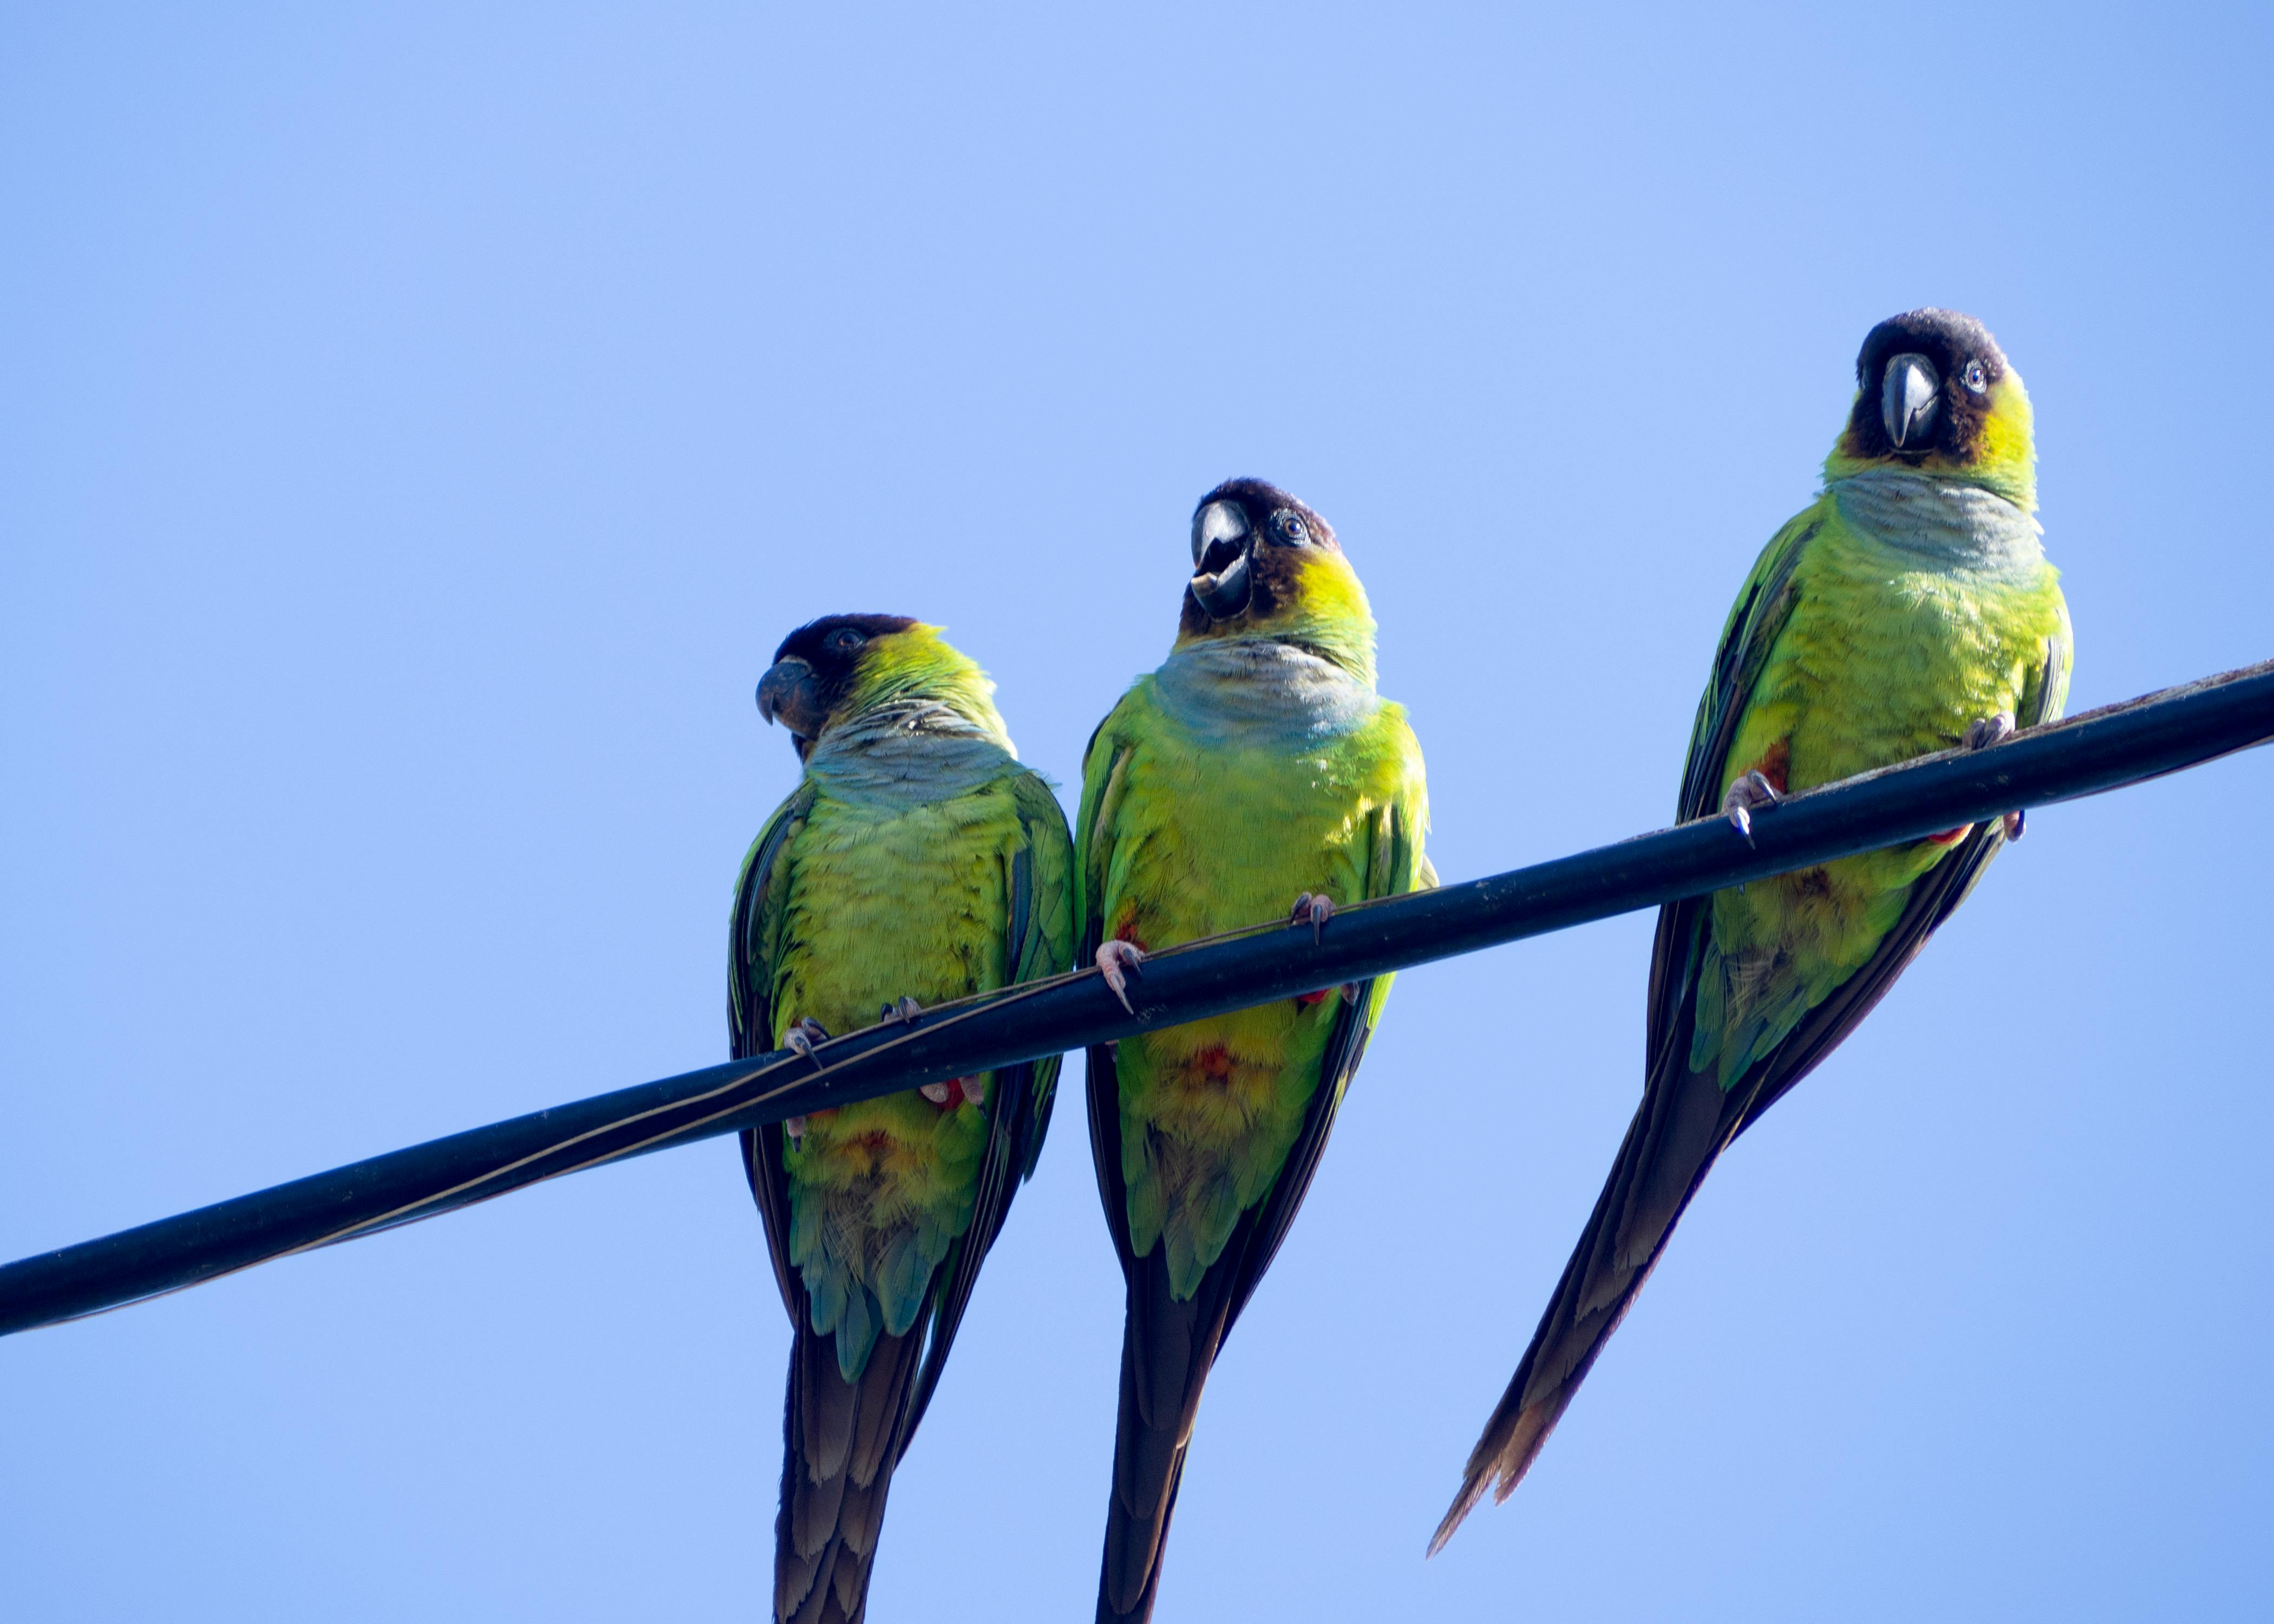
[[1221, 543], [790, 694], [1910, 400]]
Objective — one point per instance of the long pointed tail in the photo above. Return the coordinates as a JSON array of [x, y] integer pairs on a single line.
[[840, 1441], [1669, 1146], [1166, 1350]]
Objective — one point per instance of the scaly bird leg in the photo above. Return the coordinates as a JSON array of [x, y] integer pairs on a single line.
[[1748, 796], [1985, 731], [803, 1035], [900, 1012], [1314, 909], [1118, 961]]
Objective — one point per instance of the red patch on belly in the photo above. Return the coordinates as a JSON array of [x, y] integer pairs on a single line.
[[1304, 1001], [1212, 1064], [1775, 765], [1951, 837]]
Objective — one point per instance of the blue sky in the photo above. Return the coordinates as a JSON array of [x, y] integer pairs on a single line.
[[420, 426]]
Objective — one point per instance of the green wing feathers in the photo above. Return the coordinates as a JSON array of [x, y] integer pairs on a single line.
[[1205, 1137], [1043, 900], [1843, 654], [879, 1214]]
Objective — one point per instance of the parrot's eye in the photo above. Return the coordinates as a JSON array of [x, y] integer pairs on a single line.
[[845, 640], [1975, 378], [1289, 531]]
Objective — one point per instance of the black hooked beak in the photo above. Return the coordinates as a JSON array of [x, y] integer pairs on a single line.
[[1221, 543], [1910, 400], [790, 694]]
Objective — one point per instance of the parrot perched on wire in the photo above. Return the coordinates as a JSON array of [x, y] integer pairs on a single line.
[[1908, 609], [1257, 767], [916, 861]]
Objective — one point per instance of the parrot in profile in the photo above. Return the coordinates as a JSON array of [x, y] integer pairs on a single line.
[[1256, 765], [916, 861], [1908, 609]]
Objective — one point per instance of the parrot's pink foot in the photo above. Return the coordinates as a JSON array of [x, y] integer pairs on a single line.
[[956, 1091], [1118, 961], [1748, 796], [2016, 822], [803, 1035], [794, 1126], [907, 1009], [1985, 731], [1314, 909]]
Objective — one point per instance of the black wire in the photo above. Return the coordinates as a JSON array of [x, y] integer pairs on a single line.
[[2104, 749]]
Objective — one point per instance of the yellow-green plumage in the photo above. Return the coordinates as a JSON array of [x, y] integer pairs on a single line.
[[1201, 831], [1256, 764], [888, 901], [916, 859], [1910, 609], [1944, 648]]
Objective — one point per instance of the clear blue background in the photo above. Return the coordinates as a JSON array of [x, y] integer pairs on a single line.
[[416, 429]]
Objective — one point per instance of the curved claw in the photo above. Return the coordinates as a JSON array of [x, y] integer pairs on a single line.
[[2015, 822], [956, 1091], [1118, 961], [1747, 795], [906, 1009], [1314, 910], [1985, 731], [803, 1035]]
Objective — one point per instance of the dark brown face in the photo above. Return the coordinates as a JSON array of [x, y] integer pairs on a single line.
[[1925, 379], [1248, 540], [813, 671]]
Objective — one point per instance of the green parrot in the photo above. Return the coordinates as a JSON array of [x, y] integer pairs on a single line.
[[1258, 762], [1908, 609], [916, 861]]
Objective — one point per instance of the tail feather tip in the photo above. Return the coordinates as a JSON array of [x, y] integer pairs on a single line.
[[1472, 1490]]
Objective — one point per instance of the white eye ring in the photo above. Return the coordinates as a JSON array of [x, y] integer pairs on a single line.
[[1975, 378]]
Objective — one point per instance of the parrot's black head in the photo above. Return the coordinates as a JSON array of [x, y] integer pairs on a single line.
[[1253, 547], [1928, 386], [816, 670]]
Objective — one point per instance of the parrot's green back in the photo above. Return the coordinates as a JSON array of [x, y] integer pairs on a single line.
[[1256, 764], [1908, 604], [916, 859]]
